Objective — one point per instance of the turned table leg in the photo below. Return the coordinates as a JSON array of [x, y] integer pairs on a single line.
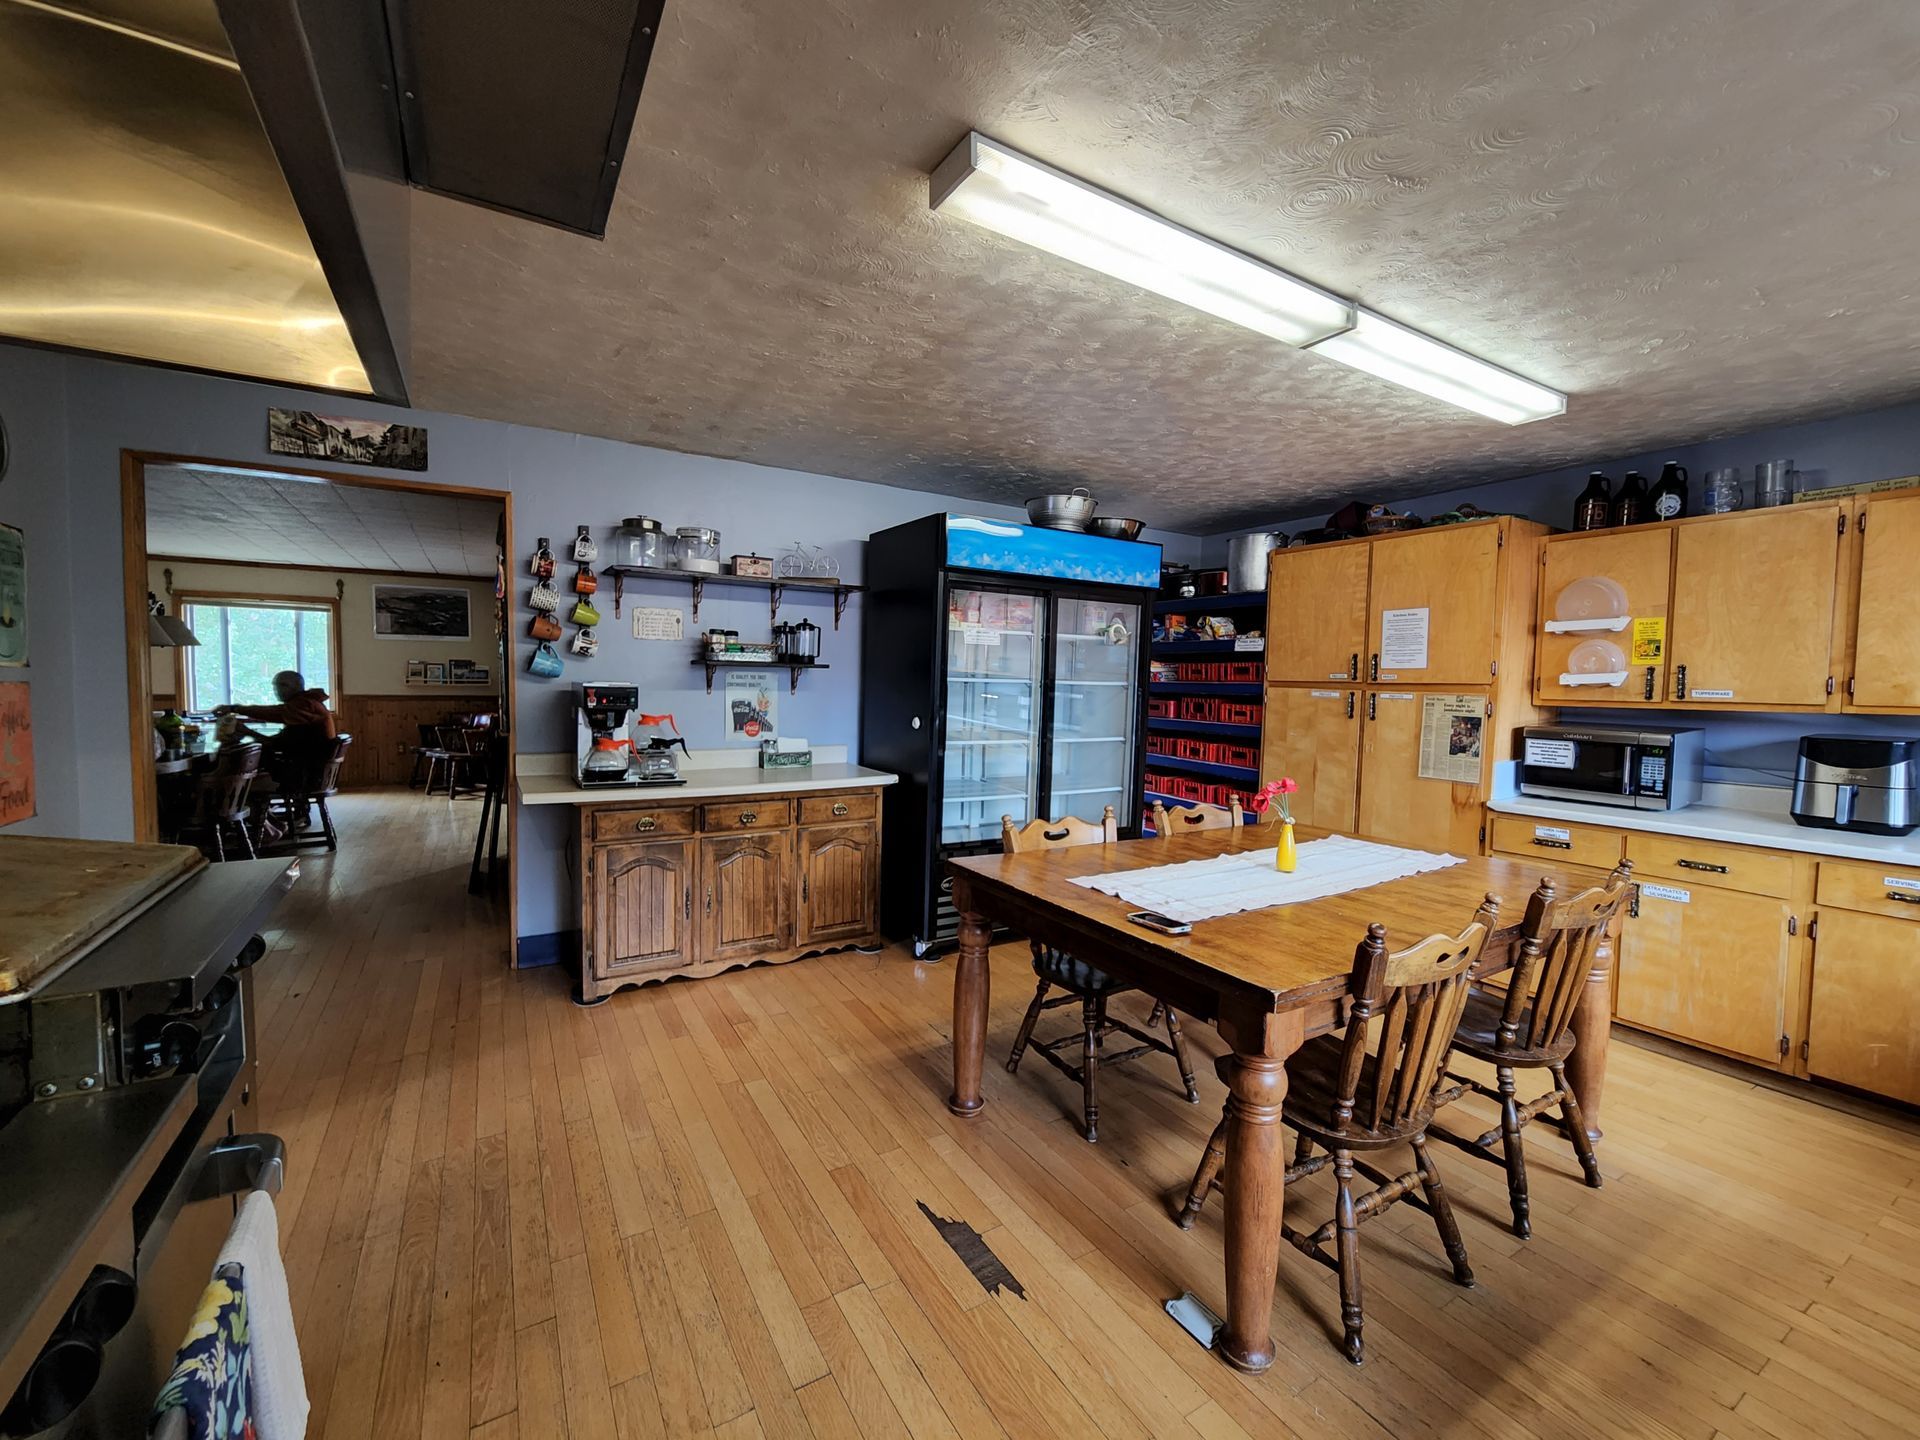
[[1255, 1187], [970, 985], [1593, 1032]]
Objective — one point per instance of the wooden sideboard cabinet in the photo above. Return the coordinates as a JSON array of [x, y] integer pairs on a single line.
[[687, 888]]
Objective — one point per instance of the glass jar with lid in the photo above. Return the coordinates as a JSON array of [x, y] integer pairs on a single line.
[[697, 548], [642, 540]]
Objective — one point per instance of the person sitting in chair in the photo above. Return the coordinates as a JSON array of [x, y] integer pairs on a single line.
[[292, 758]]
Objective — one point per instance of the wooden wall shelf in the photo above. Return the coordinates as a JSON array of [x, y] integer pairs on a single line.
[[778, 585], [792, 667]]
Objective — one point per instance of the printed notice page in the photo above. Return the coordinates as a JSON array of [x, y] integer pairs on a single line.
[[1403, 639]]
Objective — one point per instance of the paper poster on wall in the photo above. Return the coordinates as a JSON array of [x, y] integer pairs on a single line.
[[657, 624], [1403, 639], [16, 754], [1649, 639], [13, 596], [1452, 736], [752, 705]]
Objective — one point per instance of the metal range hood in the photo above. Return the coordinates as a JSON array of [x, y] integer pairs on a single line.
[[223, 185]]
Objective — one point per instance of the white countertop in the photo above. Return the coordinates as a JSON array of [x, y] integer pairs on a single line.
[[1736, 814], [550, 779]]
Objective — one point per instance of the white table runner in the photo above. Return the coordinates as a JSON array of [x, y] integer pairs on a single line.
[[1228, 884]]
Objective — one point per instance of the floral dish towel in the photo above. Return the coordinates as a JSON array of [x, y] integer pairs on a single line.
[[212, 1378]]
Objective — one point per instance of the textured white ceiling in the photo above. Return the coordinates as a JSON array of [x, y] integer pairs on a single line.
[[207, 514], [1696, 216]]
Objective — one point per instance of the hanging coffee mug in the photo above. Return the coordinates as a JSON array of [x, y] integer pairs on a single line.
[[543, 560], [583, 547], [586, 641], [544, 597], [545, 627], [585, 614], [546, 661], [585, 582]]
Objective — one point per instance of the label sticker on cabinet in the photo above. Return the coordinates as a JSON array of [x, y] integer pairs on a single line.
[[1899, 882], [1696, 693], [1403, 638], [1649, 639], [1243, 643], [1394, 695], [1666, 892], [1553, 832], [1553, 754], [1324, 694]]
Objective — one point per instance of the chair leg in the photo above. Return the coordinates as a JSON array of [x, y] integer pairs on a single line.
[[1092, 1015], [1204, 1179], [1442, 1207], [219, 841], [1516, 1154], [326, 822], [1157, 1014], [1303, 1150], [1576, 1126], [1180, 1056], [1026, 1028], [1347, 1241], [246, 838]]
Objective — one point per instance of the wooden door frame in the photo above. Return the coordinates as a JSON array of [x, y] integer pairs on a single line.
[[133, 565]]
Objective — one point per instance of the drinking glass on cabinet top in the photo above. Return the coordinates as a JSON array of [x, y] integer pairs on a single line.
[[1772, 483], [1723, 493]]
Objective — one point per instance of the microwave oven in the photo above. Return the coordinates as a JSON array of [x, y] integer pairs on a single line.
[[1632, 769]]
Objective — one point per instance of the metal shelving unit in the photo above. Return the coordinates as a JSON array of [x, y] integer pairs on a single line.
[[1240, 776]]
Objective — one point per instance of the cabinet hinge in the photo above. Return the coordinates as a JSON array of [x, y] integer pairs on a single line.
[[1793, 924], [1861, 527], [1499, 539], [1813, 928], [1786, 1047], [1493, 667], [1483, 834], [1803, 1049], [1829, 684], [1843, 523], [1849, 686]]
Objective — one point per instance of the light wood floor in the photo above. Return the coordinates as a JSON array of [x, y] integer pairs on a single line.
[[697, 1209]]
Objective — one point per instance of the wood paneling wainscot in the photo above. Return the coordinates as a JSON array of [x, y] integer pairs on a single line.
[[386, 728]]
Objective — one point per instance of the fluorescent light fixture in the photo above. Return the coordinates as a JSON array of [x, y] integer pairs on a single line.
[[1406, 357], [992, 185], [1001, 189]]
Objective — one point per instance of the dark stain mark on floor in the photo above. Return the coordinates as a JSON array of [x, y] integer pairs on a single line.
[[985, 1266]]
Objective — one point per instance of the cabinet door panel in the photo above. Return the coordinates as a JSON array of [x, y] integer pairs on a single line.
[[642, 906], [1640, 562], [839, 866], [1753, 601], [747, 904], [1886, 665], [1451, 573], [1865, 1028], [1709, 966], [1316, 613], [1396, 804], [1314, 736]]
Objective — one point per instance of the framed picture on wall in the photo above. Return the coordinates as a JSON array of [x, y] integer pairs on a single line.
[[436, 673], [341, 437], [421, 612], [13, 596]]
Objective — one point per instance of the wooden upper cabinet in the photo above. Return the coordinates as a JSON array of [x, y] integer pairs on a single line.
[[1313, 735], [839, 867], [1317, 613], [1753, 608], [1640, 561], [642, 906], [1886, 663], [1398, 804], [1433, 608], [747, 902]]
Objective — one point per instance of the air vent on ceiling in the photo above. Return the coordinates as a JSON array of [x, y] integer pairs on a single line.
[[524, 108]]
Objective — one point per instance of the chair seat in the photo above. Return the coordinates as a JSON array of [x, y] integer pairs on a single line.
[[1059, 968], [1313, 1087], [1479, 1034]]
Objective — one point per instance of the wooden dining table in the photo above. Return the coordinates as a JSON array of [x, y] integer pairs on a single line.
[[1268, 980]]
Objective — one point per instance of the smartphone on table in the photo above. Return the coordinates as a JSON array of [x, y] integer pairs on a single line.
[[1154, 920]]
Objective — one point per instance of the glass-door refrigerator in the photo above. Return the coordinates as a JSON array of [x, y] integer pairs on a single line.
[[1003, 675]]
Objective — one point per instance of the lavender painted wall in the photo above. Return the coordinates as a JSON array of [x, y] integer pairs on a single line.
[[1877, 445], [72, 417]]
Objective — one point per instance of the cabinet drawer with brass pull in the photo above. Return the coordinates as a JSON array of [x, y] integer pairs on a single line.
[[825, 809], [1731, 867], [754, 814], [651, 823], [1877, 889], [1577, 844]]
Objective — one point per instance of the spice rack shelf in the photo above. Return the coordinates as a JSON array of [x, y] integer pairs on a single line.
[[778, 585]]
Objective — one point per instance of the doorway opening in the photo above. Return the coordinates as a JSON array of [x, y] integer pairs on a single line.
[[318, 664]]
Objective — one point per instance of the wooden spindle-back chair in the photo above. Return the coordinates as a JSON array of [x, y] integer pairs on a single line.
[[1369, 1089], [1184, 819], [1088, 984], [1531, 1028]]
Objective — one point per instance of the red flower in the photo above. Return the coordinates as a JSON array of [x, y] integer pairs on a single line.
[[1288, 785]]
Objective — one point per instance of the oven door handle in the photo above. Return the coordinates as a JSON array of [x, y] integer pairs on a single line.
[[241, 1163]]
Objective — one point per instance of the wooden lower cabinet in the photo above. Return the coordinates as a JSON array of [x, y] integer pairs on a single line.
[[1864, 1029], [694, 888], [839, 869], [1709, 966]]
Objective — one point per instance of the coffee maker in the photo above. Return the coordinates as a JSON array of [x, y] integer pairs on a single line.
[[603, 743]]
